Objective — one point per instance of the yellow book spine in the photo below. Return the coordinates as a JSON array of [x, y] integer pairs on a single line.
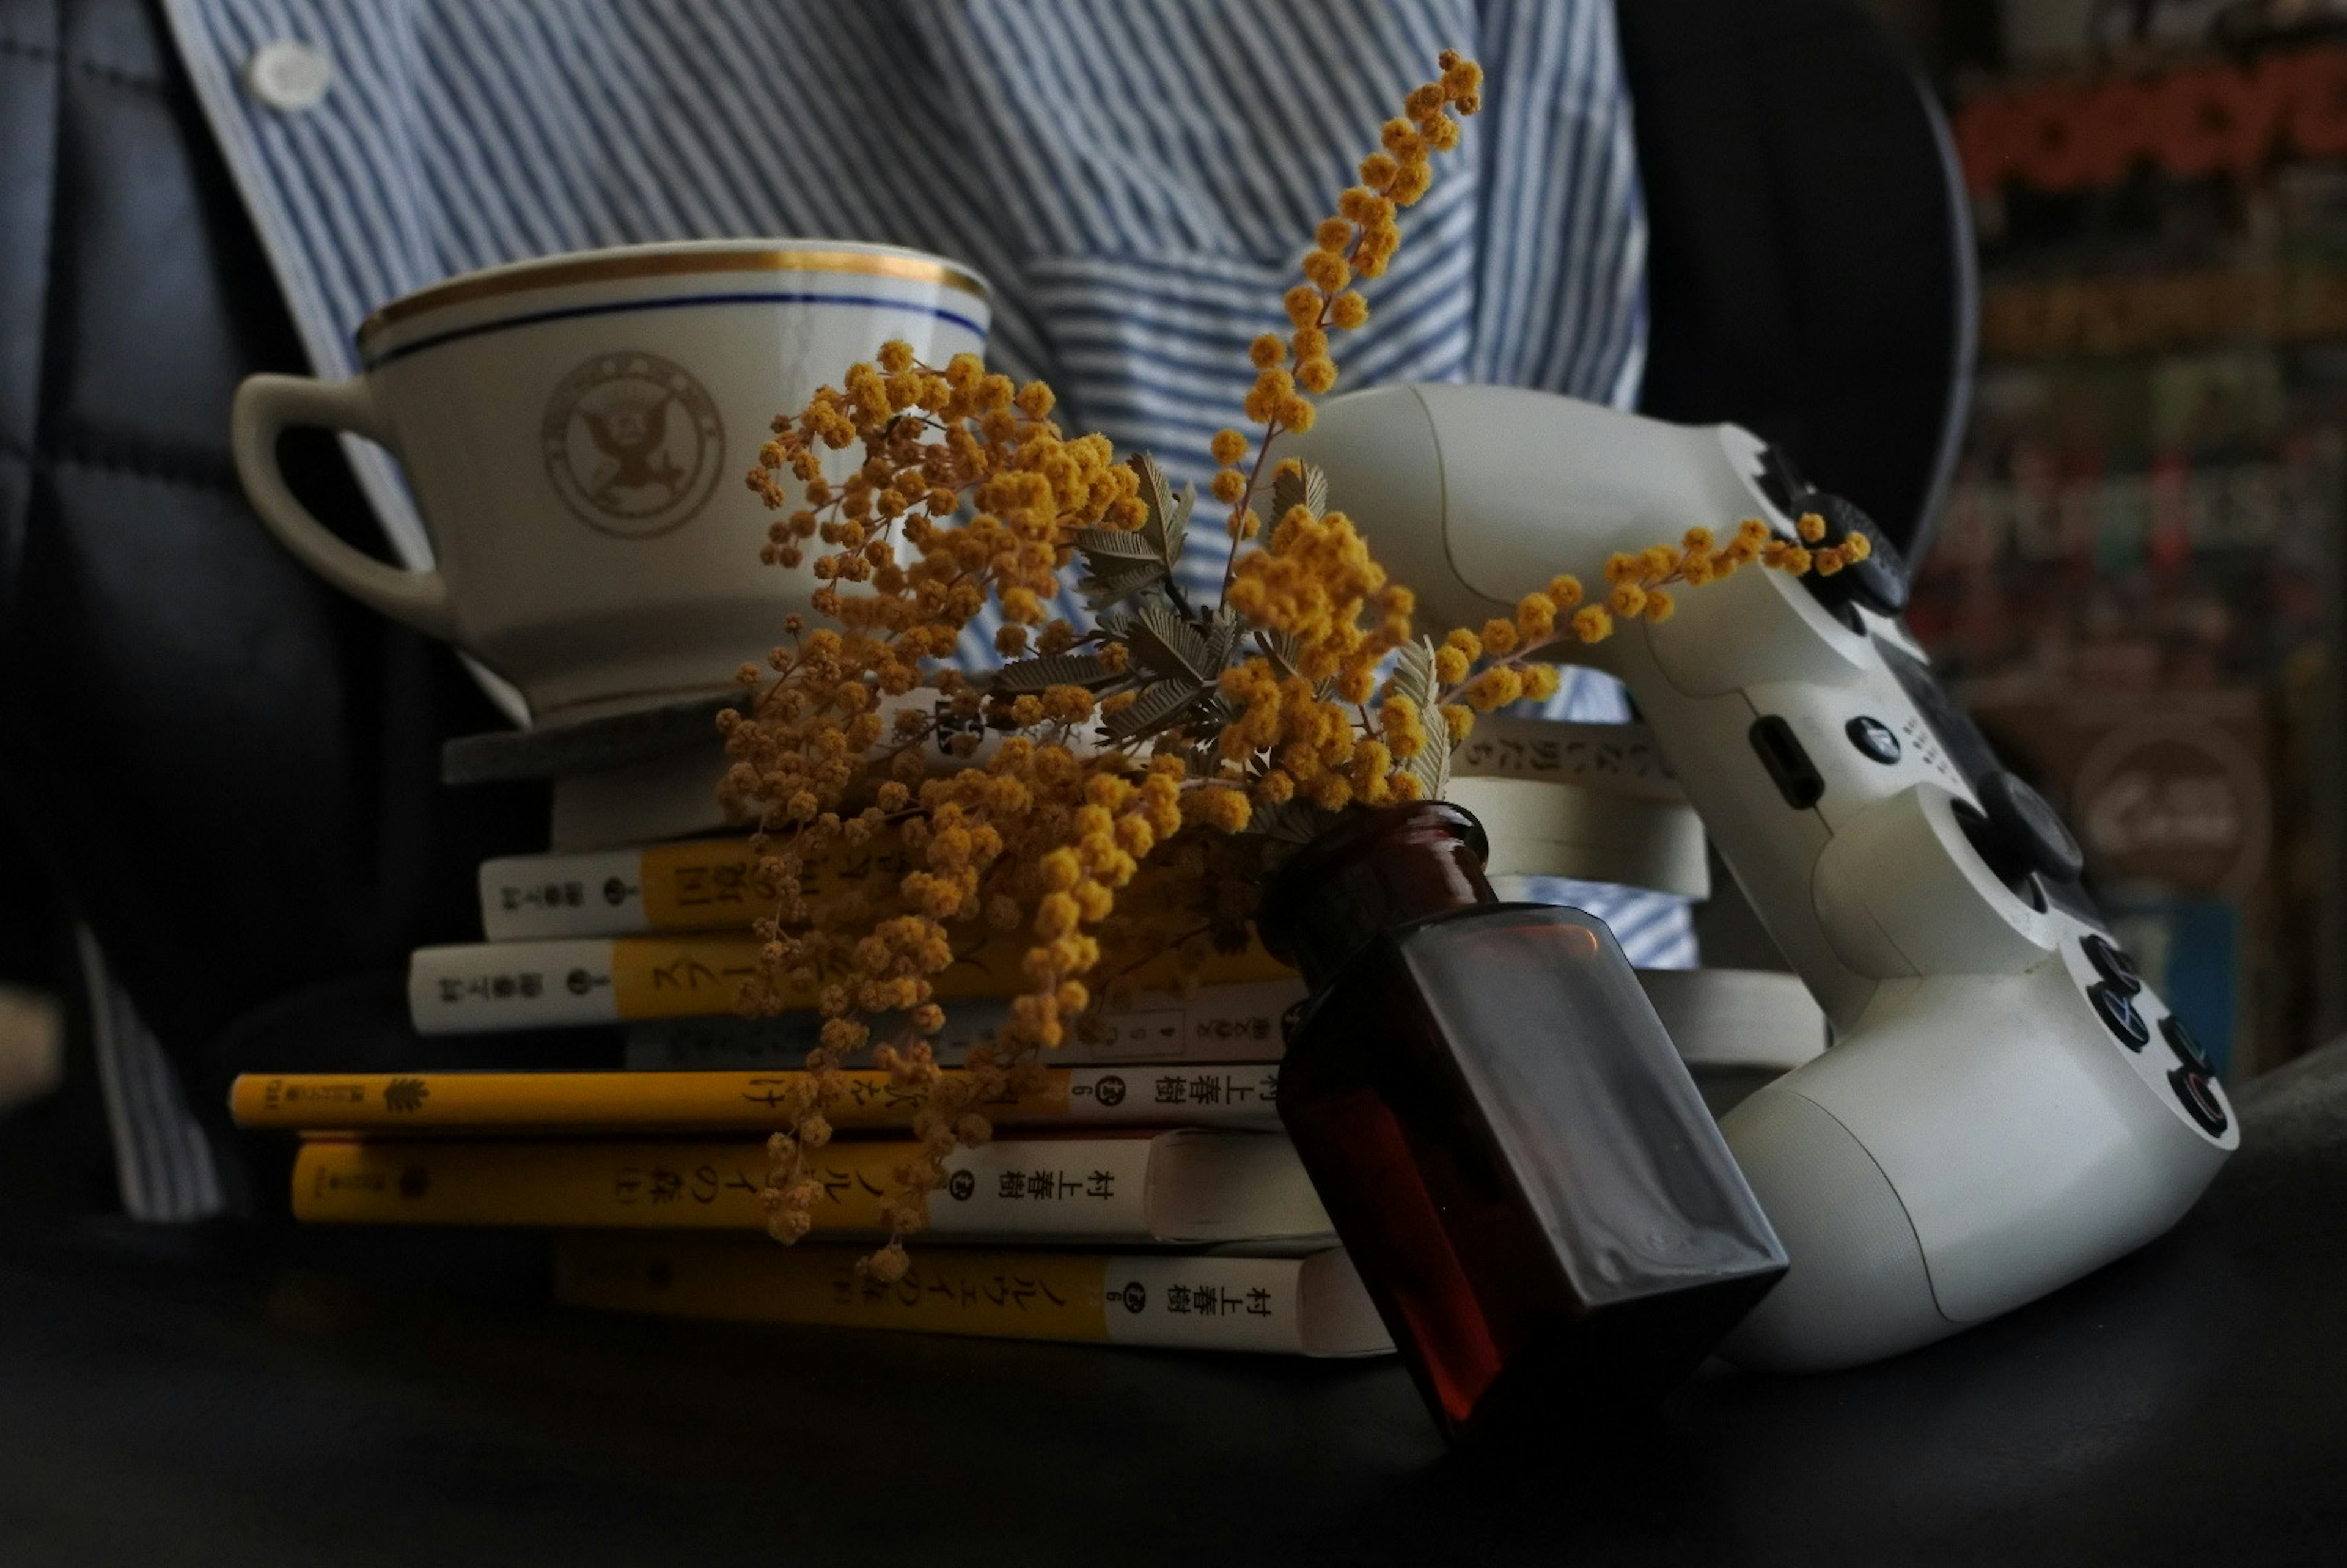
[[695, 885], [591, 980], [1087, 1187], [726, 1101], [654, 979], [682, 977], [711, 882], [690, 885], [700, 1186], [999, 1294], [576, 1101], [1312, 1305]]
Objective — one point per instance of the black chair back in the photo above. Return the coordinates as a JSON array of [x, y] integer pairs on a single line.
[[1810, 271]]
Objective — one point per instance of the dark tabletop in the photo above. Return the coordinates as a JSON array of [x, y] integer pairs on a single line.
[[239, 1396]]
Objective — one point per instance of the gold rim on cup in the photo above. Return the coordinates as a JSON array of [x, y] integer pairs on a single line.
[[560, 272]]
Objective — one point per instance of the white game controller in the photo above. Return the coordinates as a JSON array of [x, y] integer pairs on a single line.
[[2007, 1107]]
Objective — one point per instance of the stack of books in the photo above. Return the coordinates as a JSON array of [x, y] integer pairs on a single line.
[[1145, 1194]]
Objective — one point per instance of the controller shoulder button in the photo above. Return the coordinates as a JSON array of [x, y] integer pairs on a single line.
[[2116, 1010], [2199, 1098], [1878, 582], [2111, 962]]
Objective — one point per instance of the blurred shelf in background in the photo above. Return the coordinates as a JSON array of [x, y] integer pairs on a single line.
[[2138, 578]]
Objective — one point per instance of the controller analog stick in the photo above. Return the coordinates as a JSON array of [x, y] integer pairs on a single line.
[[2021, 833]]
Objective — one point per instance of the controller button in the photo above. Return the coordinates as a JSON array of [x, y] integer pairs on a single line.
[[2111, 963], [1873, 739], [1797, 778], [2026, 834], [2116, 1010], [2199, 1098], [2181, 1042]]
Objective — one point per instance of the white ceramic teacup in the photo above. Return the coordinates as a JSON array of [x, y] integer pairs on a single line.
[[576, 430]]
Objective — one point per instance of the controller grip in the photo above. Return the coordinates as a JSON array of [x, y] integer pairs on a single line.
[[1858, 1289]]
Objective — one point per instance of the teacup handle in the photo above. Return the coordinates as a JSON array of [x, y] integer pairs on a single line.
[[266, 407]]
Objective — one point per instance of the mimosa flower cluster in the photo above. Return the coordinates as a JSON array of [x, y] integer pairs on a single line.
[[1187, 745]]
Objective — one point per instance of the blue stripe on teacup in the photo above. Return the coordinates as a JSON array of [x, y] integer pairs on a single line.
[[533, 318]]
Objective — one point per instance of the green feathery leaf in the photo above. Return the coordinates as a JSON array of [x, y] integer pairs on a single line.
[[1100, 545], [1167, 525], [1292, 821], [1170, 647], [1303, 485], [1223, 629], [1085, 670], [1284, 648], [1413, 677], [1103, 589], [1158, 707]]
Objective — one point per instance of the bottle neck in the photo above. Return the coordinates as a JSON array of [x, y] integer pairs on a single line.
[[1377, 869]]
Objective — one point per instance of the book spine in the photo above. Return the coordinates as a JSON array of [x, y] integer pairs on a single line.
[[537, 985], [1612, 758], [1169, 1302], [479, 985], [1093, 1189], [703, 885], [676, 794], [730, 1101], [1213, 1025], [539, 897]]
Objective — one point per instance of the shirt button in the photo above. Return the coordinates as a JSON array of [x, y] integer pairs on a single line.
[[288, 75]]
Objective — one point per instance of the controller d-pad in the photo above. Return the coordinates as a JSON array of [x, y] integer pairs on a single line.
[[2116, 1010], [2111, 963], [2187, 1048], [2199, 1098]]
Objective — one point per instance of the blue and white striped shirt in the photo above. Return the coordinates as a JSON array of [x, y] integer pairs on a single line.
[[1137, 178]]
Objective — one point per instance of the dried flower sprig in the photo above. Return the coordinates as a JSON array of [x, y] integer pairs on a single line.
[[1036, 836], [1158, 733], [1639, 589], [1359, 240]]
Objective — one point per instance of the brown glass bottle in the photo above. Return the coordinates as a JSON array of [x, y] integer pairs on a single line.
[[1501, 1131]]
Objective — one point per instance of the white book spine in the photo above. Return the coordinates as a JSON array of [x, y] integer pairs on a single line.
[[522, 985], [1072, 1189], [534, 897], [672, 795], [1284, 1306], [1241, 1095]]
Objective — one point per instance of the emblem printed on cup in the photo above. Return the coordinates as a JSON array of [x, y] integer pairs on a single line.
[[632, 444]]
